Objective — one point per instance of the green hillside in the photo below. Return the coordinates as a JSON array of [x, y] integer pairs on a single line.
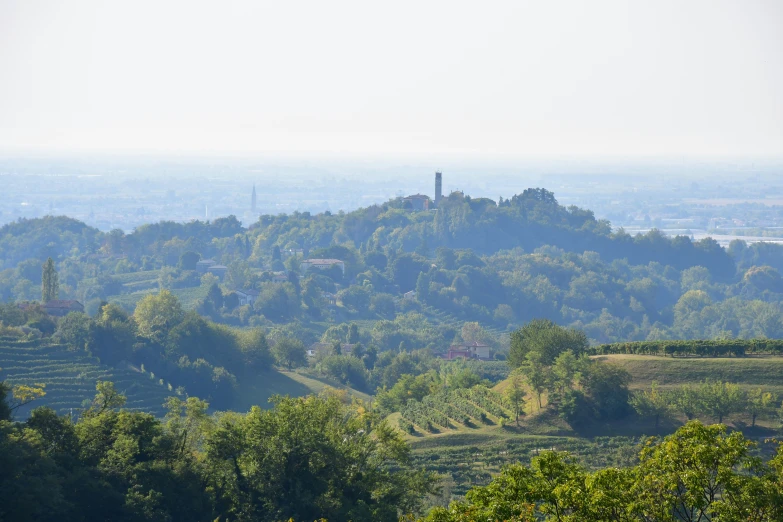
[[188, 297], [70, 377], [470, 454], [766, 372], [257, 389], [470, 459]]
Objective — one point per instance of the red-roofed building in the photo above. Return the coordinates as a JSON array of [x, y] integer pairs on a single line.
[[455, 353], [473, 350], [59, 307], [417, 202]]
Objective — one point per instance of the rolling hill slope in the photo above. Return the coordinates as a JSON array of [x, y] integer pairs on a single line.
[[766, 372], [70, 377], [256, 390]]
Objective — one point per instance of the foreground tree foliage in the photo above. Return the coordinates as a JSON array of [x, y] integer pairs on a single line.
[[304, 459], [713, 399], [700, 473], [312, 458]]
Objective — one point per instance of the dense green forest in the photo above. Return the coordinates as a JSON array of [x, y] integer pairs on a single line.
[[501, 264]]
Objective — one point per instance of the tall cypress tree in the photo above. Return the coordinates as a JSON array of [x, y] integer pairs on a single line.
[[353, 334], [50, 284]]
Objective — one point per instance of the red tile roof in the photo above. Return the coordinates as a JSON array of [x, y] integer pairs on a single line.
[[63, 303]]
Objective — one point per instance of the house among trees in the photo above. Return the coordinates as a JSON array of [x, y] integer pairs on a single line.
[[62, 307], [218, 270], [474, 350], [321, 264], [247, 297], [330, 298], [279, 277], [203, 265], [326, 348]]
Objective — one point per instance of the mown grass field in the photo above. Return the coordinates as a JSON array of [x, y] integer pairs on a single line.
[[766, 372], [257, 389]]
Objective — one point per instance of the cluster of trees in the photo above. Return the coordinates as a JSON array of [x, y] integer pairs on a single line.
[[209, 359], [715, 399], [33, 318], [698, 473], [501, 264], [545, 360], [181, 347], [409, 387], [552, 360], [549, 365], [304, 459], [696, 347], [380, 367]]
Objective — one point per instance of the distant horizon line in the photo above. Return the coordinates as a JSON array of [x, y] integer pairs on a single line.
[[435, 159]]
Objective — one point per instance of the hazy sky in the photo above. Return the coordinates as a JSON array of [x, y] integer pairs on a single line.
[[505, 79]]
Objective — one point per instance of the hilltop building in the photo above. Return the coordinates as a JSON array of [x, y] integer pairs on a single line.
[[320, 264], [438, 188], [416, 202], [420, 202]]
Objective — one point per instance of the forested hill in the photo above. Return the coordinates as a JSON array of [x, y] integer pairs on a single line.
[[499, 263], [529, 220], [46, 237]]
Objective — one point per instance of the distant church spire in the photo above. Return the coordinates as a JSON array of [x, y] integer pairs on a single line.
[[253, 199]]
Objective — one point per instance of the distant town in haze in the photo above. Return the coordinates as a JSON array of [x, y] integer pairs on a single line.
[[725, 200]]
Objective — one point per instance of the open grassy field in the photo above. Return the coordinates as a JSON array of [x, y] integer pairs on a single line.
[[255, 390], [766, 372]]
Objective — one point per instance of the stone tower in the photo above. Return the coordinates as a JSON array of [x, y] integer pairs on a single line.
[[253, 200], [438, 188]]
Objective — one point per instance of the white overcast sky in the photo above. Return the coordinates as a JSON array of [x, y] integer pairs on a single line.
[[493, 78]]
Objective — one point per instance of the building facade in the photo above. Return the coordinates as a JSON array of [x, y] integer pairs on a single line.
[[321, 264]]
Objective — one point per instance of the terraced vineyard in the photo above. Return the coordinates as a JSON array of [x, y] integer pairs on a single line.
[[466, 460], [438, 316], [70, 377], [470, 408]]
